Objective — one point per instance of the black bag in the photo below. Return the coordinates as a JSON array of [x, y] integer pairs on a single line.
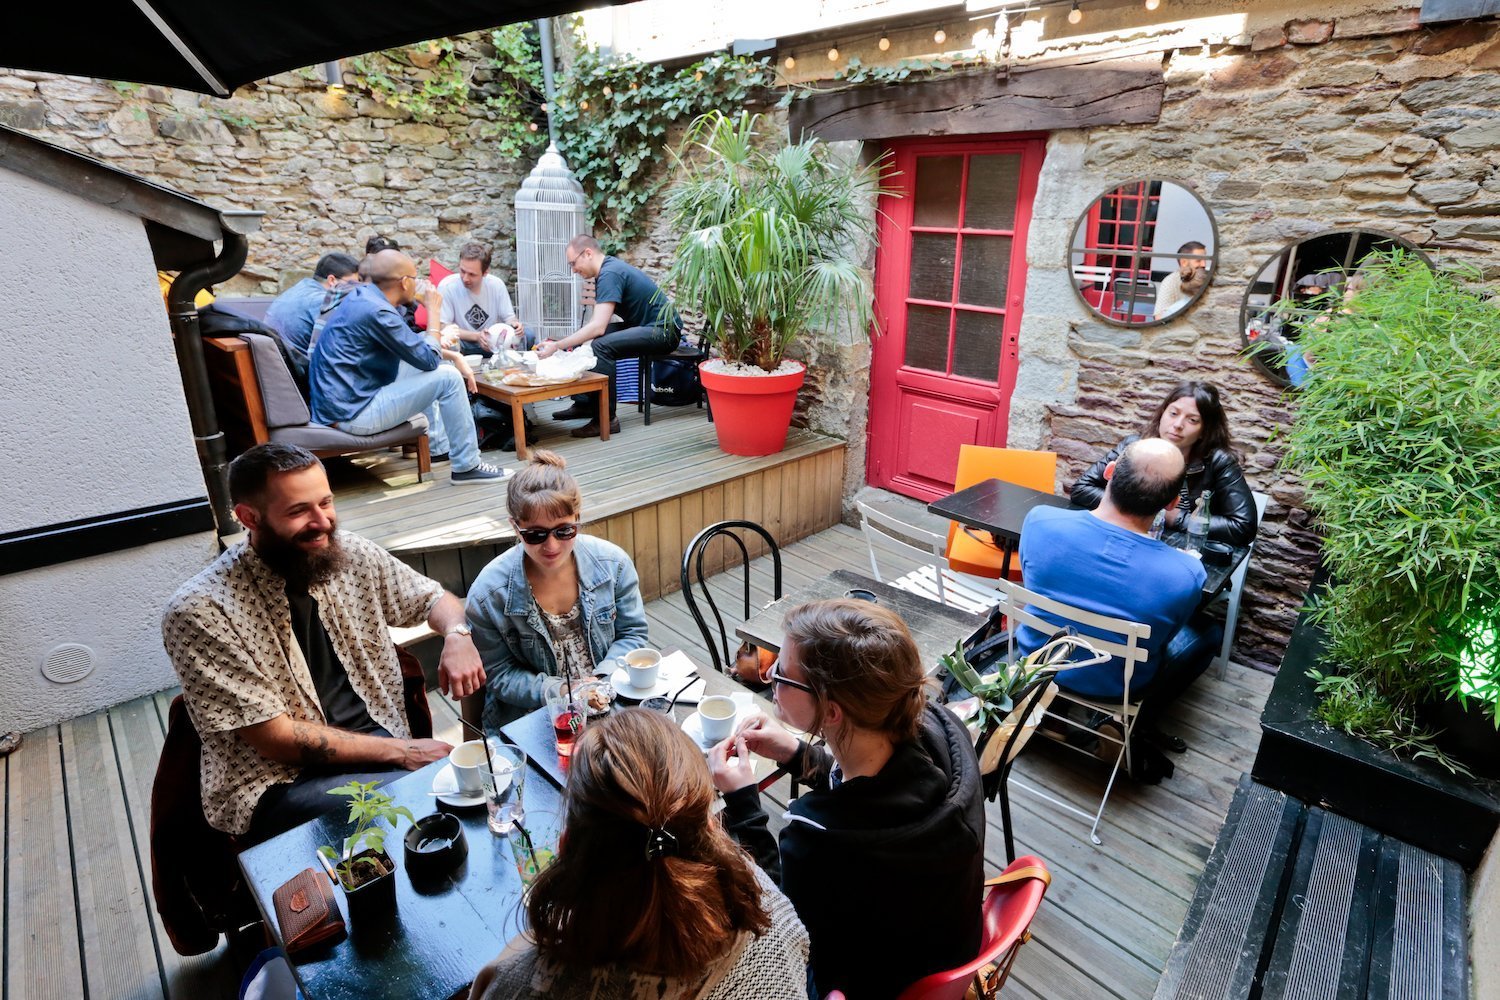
[[215, 320], [492, 424], [674, 383]]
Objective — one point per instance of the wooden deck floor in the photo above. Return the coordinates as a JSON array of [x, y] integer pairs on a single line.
[[79, 922]]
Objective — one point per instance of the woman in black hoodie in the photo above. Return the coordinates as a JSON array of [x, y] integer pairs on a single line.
[[884, 857]]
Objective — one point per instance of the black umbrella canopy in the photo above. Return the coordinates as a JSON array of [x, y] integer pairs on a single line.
[[214, 46]]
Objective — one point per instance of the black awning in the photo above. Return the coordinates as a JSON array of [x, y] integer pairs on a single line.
[[213, 47]]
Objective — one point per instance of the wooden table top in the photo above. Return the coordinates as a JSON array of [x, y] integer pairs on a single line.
[[587, 382], [935, 627], [443, 933]]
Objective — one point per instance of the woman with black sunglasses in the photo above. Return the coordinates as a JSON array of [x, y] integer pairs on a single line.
[[559, 603], [884, 856]]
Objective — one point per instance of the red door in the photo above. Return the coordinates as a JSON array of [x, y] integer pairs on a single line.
[[950, 280]]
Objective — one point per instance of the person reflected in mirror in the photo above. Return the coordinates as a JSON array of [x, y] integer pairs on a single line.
[[884, 855], [648, 895], [1179, 288], [1192, 418], [557, 604]]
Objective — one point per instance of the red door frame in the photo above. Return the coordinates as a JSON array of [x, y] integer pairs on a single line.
[[890, 378]]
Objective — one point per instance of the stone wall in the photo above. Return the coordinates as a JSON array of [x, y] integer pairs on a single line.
[[1361, 122], [329, 167]]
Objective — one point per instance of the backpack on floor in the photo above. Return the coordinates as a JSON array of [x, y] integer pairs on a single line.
[[492, 424], [674, 383]]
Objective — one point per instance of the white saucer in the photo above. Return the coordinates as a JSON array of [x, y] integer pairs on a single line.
[[446, 787], [663, 687]]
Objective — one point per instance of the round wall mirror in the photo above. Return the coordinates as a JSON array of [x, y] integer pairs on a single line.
[[1143, 253], [1296, 287]]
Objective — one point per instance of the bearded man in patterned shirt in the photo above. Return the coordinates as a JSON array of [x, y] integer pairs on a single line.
[[287, 666]]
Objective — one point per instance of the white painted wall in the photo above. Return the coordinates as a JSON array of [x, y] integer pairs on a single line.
[[96, 423]]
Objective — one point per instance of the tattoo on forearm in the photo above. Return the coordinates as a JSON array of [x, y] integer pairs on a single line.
[[313, 743]]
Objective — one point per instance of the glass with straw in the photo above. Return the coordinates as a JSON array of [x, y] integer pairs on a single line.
[[569, 712]]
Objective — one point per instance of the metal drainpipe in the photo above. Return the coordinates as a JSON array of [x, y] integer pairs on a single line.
[[183, 315], [544, 33]]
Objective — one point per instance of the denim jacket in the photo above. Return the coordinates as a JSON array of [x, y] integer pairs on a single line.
[[513, 640]]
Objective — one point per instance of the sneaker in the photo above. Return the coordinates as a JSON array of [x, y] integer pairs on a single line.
[[484, 472]]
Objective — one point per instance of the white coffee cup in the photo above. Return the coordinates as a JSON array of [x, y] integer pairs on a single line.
[[643, 666], [468, 766], [718, 714]]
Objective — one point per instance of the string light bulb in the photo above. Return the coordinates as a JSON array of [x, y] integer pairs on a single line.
[[533, 126], [885, 44], [634, 85], [833, 54], [1075, 15], [940, 36], [1152, 4], [583, 105], [608, 90], [545, 109], [698, 76], [790, 63]]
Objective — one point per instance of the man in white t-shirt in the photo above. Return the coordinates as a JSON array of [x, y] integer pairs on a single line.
[[476, 305]]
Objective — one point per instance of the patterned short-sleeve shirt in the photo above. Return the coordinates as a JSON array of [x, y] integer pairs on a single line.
[[228, 631]]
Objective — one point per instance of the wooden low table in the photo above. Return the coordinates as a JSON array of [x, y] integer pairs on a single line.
[[518, 396]]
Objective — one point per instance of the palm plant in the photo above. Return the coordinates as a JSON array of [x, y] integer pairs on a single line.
[[768, 238]]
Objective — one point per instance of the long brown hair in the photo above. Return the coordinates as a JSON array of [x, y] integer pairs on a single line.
[[543, 489], [862, 656], [1215, 435], [604, 900]]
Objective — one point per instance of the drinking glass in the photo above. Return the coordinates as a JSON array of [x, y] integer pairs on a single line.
[[569, 714], [536, 849], [504, 787]]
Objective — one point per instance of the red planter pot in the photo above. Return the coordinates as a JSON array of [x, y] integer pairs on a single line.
[[752, 412]]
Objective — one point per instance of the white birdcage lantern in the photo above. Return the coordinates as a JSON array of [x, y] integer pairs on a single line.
[[550, 211]]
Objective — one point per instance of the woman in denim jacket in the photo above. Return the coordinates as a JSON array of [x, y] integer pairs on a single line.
[[557, 601]]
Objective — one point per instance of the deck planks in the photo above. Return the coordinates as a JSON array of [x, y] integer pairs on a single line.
[[1105, 930]]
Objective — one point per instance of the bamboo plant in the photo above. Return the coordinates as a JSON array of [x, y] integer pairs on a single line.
[[769, 237], [1397, 439]]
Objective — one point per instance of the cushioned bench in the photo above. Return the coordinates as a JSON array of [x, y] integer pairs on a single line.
[[1298, 902]]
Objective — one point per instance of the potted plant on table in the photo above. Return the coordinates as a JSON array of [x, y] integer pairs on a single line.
[[769, 234], [363, 869], [1397, 439]]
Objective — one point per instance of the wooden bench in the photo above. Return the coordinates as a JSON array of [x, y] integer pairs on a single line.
[[1299, 902]]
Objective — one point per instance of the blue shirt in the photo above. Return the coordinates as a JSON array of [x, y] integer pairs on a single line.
[[1083, 560], [359, 352], [295, 310]]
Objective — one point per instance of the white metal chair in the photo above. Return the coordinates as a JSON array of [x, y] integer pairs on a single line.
[[932, 580], [1236, 591], [1016, 603]]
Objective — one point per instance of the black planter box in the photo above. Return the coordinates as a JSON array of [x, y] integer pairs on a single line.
[[1415, 801]]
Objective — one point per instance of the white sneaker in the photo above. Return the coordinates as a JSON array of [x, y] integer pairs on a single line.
[[484, 472]]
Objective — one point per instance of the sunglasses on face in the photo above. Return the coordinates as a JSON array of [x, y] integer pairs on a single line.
[[536, 536], [777, 677]]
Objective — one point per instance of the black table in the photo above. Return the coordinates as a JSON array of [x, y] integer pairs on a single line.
[[1218, 570], [997, 507], [442, 934], [937, 628]]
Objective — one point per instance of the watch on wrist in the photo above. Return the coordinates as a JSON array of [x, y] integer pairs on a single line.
[[462, 629]]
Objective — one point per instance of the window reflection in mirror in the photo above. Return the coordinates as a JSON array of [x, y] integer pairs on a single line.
[[1143, 253], [1300, 286]]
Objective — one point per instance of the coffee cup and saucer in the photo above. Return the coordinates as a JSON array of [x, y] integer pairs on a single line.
[[460, 782], [714, 722], [639, 676]]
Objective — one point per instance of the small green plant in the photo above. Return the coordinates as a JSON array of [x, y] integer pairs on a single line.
[[1397, 439], [770, 237], [999, 693], [367, 808]]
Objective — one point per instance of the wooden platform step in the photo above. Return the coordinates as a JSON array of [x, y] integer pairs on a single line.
[[1298, 903]]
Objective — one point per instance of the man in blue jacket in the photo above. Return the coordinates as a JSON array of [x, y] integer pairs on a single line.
[[296, 309], [357, 378]]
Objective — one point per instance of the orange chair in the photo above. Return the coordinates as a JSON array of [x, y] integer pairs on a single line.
[[979, 556], [1009, 907]]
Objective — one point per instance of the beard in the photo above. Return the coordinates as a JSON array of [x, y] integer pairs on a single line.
[[296, 565]]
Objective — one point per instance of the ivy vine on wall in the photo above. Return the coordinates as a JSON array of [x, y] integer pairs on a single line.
[[613, 116]]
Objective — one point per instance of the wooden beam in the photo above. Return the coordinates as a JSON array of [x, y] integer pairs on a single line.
[[1116, 92]]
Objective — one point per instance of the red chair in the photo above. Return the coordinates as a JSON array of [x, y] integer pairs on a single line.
[[1009, 906]]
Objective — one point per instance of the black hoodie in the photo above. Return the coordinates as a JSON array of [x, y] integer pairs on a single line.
[[885, 871]]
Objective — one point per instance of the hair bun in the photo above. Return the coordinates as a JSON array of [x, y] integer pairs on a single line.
[[540, 456]]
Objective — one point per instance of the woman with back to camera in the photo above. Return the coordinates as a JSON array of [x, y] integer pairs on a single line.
[[648, 896], [884, 856], [1191, 418], [558, 602]]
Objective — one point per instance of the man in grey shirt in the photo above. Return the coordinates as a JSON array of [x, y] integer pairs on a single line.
[[477, 304]]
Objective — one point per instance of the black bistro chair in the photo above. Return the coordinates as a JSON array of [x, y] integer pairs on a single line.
[[692, 569]]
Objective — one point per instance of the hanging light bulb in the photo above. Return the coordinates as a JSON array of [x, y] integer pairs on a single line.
[[608, 90], [634, 85], [1075, 15], [940, 36], [1152, 4], [533, 126], [885, 44], [790, 63], [583, 105], [833, 54], [545, 109]]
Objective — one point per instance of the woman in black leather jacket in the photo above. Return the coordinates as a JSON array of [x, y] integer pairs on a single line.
[[1192, 419]]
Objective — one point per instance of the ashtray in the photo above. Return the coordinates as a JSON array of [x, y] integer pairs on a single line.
[[435, 845], [860, 594], [1219, 552]]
